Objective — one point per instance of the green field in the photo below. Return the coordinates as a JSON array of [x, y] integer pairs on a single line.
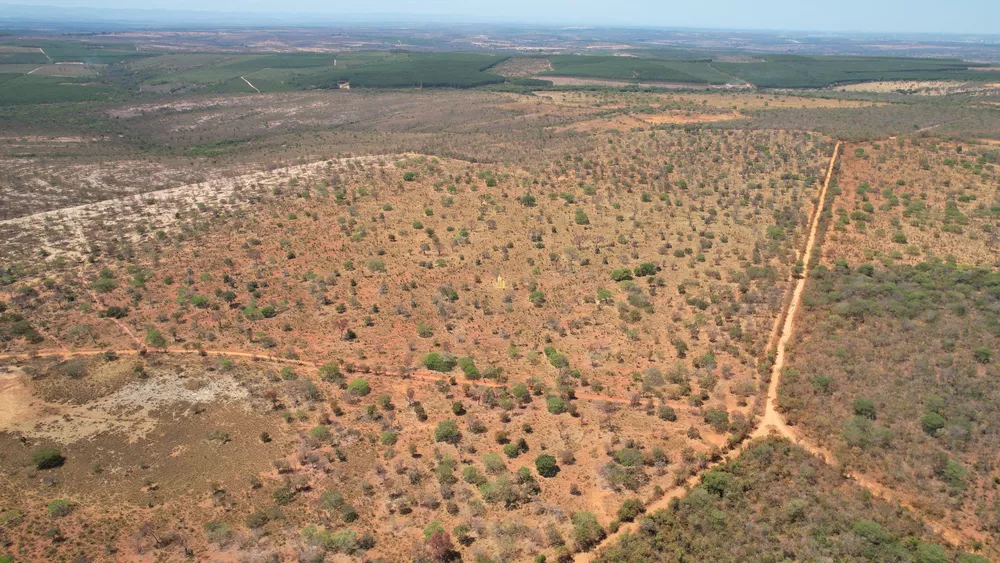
[[405, 70], [128, 71], [36, 89], [693, 71], [77, 51], [292, 71], [793, 71]]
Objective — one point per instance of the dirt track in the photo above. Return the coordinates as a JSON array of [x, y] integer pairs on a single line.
[[420, 375], [771, 421]]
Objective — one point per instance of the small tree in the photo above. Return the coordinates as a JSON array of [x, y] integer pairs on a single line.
[[546, 466], [439, 362], [155, 339], [630, 510], [587, 532], [47, 458], [359, 387], [864, 407], [447, 431]]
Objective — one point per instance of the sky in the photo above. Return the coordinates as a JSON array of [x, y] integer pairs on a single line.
[[896, 16]]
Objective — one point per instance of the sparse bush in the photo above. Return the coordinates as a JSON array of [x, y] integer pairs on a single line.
[[59, 508]]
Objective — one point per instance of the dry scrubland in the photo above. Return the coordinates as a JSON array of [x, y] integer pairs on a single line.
[[907, 200], [514, 324], [640, 282], [894, 365]]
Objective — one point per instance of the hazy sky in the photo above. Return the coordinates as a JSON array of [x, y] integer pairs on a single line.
[[932, 16]]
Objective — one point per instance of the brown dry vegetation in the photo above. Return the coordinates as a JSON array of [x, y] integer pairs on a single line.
[[906, 200], [609, 270], [892, 366], [370, 265]]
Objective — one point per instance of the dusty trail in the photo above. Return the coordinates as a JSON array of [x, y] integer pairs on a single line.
[[740, 82], [771, 420], [97, 300], [773, 423], [46, 55], [419, 375], [251, 85]]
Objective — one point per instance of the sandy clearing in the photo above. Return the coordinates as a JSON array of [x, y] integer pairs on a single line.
[[686, 117], [419, 375], [159, 206], [127, 410]]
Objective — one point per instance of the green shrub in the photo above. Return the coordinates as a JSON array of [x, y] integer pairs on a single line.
[[555, 404], [155, 339], [621, 274], [320, 432], [331, 372], [982, 354], [494, 464], [645, 269], [439, 362], [283, 496], [47, 457], [468, 367], [359, 387], [630, 510], [546, 466], [537, 298], [932, 422], [447, 431], [587, 532], [864, 407], [59, 508]]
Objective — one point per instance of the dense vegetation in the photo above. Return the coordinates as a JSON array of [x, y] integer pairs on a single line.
[[445, 70], [694, 71], [897, 373], [795, 71], [775, 502]]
